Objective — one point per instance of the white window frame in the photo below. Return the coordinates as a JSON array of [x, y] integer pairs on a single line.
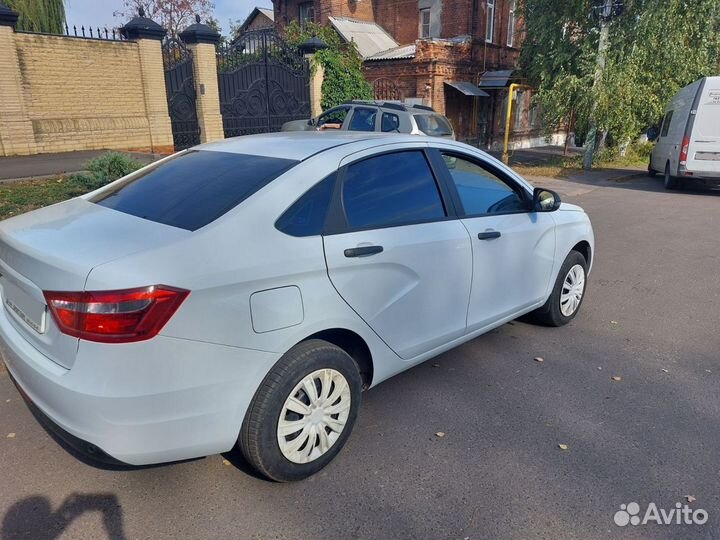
[[306, 8], [423, 12], [490, 21], [511, 23]]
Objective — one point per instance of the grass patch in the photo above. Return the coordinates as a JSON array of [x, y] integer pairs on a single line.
[[556, 167], [20, 197]]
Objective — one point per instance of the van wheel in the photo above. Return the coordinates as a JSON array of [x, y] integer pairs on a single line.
[[670, 181], [303, 412]]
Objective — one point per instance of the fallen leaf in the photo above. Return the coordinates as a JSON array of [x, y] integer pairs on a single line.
[[226, 462], [563, 446], [436, 365], [613, 322], [7, 401], [539, 359], [600, 368], [690, 498], [664, 370], [10, 435], [708, 371], [440, 434], [617, 379]]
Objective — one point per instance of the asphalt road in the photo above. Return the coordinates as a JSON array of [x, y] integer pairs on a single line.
[[650, 317]]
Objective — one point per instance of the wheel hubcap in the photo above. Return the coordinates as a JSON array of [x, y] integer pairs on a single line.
[[572, 290], [314, 416]]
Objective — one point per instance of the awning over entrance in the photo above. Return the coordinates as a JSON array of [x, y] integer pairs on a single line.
[[495, 79], [469, 89]]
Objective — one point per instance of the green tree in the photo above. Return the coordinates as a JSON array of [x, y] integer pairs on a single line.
[[656, 47], [344, 78], [39, 15]]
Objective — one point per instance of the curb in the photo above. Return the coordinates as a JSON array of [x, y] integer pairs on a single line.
[[39, 177]]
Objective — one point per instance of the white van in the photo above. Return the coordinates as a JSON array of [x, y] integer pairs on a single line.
[[688, 144]]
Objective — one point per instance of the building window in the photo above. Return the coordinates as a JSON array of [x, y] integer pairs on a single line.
[[490, 21], [306, 13], [511, 24], [424, 23]]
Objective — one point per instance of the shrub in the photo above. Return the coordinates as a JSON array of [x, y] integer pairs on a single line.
[[105, 169]]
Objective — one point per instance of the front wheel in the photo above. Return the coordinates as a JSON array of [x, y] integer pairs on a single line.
[[303, 412], [567, 294]]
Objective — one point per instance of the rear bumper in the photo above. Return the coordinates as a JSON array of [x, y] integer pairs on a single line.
[[156, 401]]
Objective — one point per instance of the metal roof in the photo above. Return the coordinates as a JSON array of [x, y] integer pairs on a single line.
[[404, 51], [469, 89], [495, 79], [369, 37]]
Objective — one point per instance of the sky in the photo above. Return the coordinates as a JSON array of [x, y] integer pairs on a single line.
[[100, 12]]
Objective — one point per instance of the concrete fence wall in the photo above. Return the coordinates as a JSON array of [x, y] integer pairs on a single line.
[[60, 93]]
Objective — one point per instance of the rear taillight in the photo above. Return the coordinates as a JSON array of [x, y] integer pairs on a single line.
[[684, 150], [115, 316]]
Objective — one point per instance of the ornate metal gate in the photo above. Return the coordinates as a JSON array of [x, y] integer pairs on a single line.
[[263, 82], [180, 87]]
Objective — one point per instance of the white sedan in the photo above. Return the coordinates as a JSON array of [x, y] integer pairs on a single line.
[[247, 291]]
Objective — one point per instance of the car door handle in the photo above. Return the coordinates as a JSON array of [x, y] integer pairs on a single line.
[[363, 251], [489, 235]]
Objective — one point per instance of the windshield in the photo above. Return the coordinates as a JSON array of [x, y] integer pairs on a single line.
[[193, 189], [433, 125]]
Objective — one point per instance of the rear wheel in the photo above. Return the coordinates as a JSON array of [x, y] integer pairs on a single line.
[[567, 294], [670, 181], [303, 412]]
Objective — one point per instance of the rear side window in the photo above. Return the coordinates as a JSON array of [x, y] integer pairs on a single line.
[[363, 119], [433, 125], [193, 189], [306, 217], [391, 189], [666, 124], [390, 122]]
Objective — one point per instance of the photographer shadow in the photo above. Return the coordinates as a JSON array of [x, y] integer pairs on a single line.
[[33, 518]]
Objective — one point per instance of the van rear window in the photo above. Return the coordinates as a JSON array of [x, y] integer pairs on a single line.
[[193, 189], [433, 125]]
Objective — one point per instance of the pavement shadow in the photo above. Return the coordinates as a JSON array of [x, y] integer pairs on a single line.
[[34, 519], [642, 182]]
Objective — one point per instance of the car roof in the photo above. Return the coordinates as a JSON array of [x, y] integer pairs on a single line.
[[300, 145]]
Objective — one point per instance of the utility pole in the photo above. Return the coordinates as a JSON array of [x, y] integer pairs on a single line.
[[606, 12]]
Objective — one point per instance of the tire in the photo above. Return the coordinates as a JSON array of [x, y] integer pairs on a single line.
[[670, 181], [652, 173], [554, 312], [260, 441]]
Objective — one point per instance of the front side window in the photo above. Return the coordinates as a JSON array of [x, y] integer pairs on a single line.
[[481, 191], [390, 122], [666, 124], [193, 189], [511, 23], [363, 119], [333, 119], [433, 125], [424, 23], [391, 189], [306, 13], [490, 21], [306, 217]]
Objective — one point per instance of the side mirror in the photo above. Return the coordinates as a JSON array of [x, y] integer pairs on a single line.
[[652, 133], [545, 200]]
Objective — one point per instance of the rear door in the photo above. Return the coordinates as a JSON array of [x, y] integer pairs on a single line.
[[513, 248], [395, 254], [704, 148]]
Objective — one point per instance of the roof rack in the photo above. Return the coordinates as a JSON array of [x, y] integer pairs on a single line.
[[389, 105], [423, 107]]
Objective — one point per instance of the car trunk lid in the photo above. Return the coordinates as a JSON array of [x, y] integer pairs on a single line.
[[55, 248]]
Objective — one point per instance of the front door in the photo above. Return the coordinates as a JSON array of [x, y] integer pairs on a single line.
[[513, 248], [395, 257]]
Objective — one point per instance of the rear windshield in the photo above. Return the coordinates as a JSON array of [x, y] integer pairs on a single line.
[[193, 189], [433, 125]]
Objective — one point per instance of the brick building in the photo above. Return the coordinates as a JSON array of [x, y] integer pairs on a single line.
[[456, 55]]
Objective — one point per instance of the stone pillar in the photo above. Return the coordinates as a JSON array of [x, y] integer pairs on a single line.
[[317, 72], [201, 41], [16, 131], [148, 35]]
